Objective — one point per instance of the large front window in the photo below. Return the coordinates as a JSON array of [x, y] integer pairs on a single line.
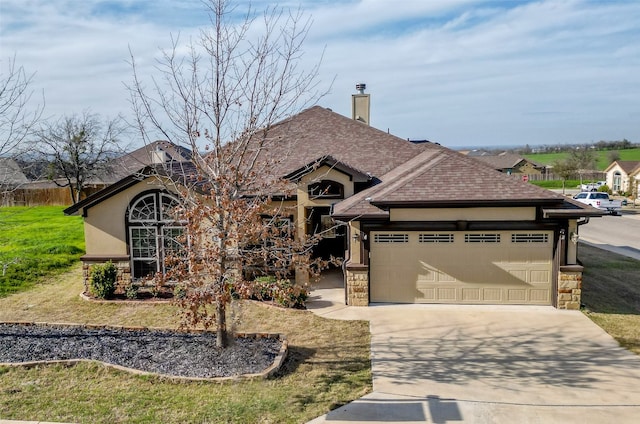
[[154, 232]]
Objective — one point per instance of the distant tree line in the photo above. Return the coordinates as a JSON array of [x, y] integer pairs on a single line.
[[559, 148]]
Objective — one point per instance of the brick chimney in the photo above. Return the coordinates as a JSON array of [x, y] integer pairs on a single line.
[[361, 104]]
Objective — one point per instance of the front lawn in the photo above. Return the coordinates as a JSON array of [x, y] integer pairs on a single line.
[[602, 157], [611, 294], [36, 242], [328, 365]]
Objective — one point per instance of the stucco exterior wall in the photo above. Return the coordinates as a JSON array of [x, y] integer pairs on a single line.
[[624, 178], [464, 214], [355, 242], [322, 173], [104, 226], [527, 168]]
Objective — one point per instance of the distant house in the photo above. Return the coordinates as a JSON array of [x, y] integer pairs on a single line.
[[157, 152], [623, 176], [11, 174], [510, 163]]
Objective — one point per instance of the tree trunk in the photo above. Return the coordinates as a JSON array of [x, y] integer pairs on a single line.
[[221, 321]]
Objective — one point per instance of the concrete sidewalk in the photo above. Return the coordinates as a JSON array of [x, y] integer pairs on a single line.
[[487, 364]]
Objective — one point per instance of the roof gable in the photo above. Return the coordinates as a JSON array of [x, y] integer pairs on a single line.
[[434, 179], [329, 161], [505, 161], [179, 172], [628, 166], [11, 173]]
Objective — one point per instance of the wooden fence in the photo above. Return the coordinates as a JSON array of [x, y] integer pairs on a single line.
[[50, 196], [587, 177]]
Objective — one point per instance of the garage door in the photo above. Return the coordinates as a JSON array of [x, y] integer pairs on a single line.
[[501, 267]]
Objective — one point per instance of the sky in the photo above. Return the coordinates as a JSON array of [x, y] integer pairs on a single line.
[[458, 72]]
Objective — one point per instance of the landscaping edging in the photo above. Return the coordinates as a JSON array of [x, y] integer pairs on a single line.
[[266, 373], [85, 296]]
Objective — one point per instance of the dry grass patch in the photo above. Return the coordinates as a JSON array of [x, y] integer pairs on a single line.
[[611, 294], [328, 365]]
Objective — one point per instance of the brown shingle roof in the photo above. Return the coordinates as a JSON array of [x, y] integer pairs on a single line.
[[628, 166], [440, 177], [132, 162], [505, 160], [318, 132]]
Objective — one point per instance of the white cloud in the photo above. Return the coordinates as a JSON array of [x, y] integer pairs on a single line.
[[461, 73]]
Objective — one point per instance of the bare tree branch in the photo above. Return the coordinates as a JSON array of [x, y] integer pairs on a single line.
[[220, 95], [78, 148], [16, 119]]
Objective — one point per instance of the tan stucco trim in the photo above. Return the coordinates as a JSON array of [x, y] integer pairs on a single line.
[[467, 214], [104, 226]]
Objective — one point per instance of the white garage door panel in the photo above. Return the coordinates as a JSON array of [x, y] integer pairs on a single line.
[[461, 267]]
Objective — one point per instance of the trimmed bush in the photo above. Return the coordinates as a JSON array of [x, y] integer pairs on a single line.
[[131, 291], [269, 289], [102, 280]]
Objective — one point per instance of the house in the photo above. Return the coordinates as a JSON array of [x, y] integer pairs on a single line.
[[413, 228], [623, 176], [11, 174], [155, 152], [510, 163]]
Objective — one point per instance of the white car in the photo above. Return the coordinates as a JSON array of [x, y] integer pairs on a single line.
[[592, 186]]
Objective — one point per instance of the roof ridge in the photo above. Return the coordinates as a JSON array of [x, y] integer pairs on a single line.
[[416, 166]]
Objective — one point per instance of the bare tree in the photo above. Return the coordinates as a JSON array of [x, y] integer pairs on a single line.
[[613, 155], [221, 99], [78, 148], [565, 169], [16, 117], [584, 160]]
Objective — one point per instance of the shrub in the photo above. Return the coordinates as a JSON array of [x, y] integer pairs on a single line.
[[179, 292], [290, 295], [102, 281], [131, 291], [604, 188]]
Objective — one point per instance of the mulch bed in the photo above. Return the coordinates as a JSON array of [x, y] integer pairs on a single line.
[[165, 352]]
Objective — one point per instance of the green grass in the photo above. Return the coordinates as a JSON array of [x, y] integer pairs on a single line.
[[601, 155], [556, 183], [328, 365], [36, 242], [611, 294]]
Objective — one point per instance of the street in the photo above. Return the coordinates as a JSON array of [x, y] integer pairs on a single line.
[[619, 234]]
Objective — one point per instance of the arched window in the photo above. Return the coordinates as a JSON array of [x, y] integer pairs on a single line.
[[153, 230], [326, 189]]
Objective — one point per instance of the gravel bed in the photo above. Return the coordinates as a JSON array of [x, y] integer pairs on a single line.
[[159, 351]]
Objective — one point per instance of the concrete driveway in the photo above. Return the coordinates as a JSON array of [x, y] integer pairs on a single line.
[[485, 364]]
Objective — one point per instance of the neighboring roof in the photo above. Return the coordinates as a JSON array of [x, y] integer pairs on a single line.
[[318, 132], [11, 173], [433, 179], [628, 166], [146, 155], [504, 160]]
